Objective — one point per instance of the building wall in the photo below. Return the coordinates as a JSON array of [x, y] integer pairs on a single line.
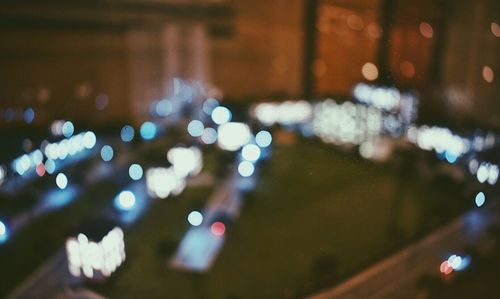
[[471, 46], [263, 56]]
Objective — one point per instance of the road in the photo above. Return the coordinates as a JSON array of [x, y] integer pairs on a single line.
[[396, 277]]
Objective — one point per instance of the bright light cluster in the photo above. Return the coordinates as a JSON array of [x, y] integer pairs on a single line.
[[162, 182], [70, 146], [454, 263], [286, 113], [27, 162], [346, 122], [487, 172], [185, 161], [233, 135], [442, 141], [378, 97], [3, 232], [481, 143], [88, 257]]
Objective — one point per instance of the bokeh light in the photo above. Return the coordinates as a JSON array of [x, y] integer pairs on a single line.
[[61, 181], [195, 128], [127, 133], [218, 228], [135, 172], [263, 139], [148, 130], [221, 115], [107, 153], [195, 218]]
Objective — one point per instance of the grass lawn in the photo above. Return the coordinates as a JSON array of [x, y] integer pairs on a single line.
[[316, 217]]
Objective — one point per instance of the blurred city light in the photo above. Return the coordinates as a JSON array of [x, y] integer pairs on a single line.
[[209, 136], [480, 199], [218, 228], [161, 182], [232, 136], [135, 172], [209, 105], [2, 174], [4, 233], [68, 129], [263, 139], [61, 181], [185, 161], [195, 218], [251, 152], [286, 113], [107, 153], [163, 108], [50, 166], [89, 140], [87, 257], [195, 128], [29, 115], [125, 201], [221, 115], [148, 131], [127, 133], [246, 168]]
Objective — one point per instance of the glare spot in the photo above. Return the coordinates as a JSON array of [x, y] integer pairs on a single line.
[[246, 168], [495, 29], [89, 140], [250, 152], [3, 232], [29, 115], [40, 170], [426, 30], [218, 228], [50, 166], [445, 268], [135, 171], [263, 139], [195, 128], [61, 181], [209, 136], [369, 71], [163, 108], [367, 150], [209, 105], [127, 133], [232, 136], [488, 74], [195, 218], [148, 130], [480, 199], [125, 200], [107, 153], [68, 129], [221, 115], [482, 174]]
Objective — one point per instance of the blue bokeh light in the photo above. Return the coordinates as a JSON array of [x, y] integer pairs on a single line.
[[127, 133], [135, 172], [148, 130], [107, 153]]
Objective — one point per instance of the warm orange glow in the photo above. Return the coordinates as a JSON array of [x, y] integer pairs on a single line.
[[488, 74], [426, 30], [369, 71]]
